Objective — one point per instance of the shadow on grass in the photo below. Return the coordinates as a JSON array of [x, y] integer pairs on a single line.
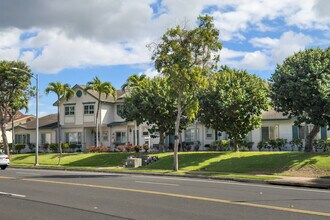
[[57, 155], [22, 157], [185, 160], [101, 160]]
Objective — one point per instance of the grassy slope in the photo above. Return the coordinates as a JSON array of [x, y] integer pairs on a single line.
[[287, 163]]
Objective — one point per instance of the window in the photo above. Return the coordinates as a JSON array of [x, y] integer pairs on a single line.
[[45, 138], [69, 110], [88, 109], [22, 138], [119, 109], [120, 137], [209, 133], [145, 133], [269, 133], [191, 134], [73, 137], [105, 136]]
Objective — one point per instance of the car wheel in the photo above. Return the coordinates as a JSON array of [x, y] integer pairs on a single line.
[[3, 167]]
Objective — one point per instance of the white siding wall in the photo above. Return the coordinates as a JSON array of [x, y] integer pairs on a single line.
[[78, 118]]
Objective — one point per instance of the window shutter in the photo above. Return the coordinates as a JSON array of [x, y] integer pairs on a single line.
[[294, 132], [28, 138], [323, 132]]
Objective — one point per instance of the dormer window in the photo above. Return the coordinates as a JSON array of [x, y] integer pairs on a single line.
[[88, 109], [69, 110]]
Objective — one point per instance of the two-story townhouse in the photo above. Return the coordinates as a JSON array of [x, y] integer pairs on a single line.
[[78, 120], [274, 125]]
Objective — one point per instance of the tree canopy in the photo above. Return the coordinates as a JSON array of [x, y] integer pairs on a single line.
[[15, 91], [186, 57], [233, 102], [151, 103], [301, 89]]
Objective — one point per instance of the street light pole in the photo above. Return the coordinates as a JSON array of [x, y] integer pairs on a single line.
[[36, 77], [37, 122]]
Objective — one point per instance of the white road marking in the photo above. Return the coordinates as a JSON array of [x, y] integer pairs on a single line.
[[12, 194], [166, 184], [235, 183]]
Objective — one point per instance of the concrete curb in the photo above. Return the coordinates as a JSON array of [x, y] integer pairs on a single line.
[[197, 176]]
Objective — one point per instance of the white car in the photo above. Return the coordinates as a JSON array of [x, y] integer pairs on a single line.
[[4, 161]]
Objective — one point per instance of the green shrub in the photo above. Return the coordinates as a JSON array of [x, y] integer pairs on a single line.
[[214, 145], [280, 142], [45, 147], [65, 147], [321, 144], [145, 147], [296, 143], [19, 147], [32, 147], [261, 145], [73, 147], [137, 148], [53, 147]]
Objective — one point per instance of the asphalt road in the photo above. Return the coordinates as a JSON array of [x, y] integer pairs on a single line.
[[45, 194]]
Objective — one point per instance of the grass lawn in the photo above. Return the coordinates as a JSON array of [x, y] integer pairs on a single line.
[[228, 164]]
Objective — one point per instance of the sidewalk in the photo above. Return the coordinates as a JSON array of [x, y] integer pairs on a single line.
[[323, 183]]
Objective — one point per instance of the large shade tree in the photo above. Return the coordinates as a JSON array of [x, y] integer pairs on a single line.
[[186, 57], [100, 88], [151, 103], [233, 102], [62, 91], [301, 89], [15, 91]]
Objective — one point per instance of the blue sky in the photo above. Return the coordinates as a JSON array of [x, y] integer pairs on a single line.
[[73, 41]]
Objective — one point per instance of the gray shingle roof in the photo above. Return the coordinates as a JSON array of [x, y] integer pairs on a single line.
[[273, 115], [48, 121]]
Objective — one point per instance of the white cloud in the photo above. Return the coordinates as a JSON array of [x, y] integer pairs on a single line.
[[256, 60], [111, 32], [150, 72], [63, 52], [289, 43]]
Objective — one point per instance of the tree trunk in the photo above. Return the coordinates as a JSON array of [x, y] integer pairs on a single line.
[[176, 143], [161, 141], [236, 147], [310, 138], [59, 130], [4, 138], [97, 121]]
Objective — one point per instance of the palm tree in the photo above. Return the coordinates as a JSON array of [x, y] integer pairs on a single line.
[[100, 87], [133, 81], [61, 90]]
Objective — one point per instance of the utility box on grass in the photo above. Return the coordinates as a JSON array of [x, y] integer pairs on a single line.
[[133, 162]]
